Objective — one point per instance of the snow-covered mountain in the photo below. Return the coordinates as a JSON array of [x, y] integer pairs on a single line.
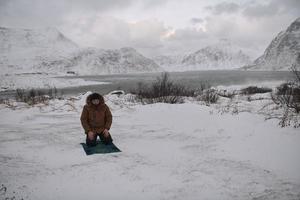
[[223, 55], [283, 52], [169, 62], [41, 41], [90, 61], [166, 60], [48, 50], [23, 49]]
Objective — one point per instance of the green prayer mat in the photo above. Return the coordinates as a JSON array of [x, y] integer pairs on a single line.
[[100, 148]]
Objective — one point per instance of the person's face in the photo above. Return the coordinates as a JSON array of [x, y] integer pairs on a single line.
[[95, 101]]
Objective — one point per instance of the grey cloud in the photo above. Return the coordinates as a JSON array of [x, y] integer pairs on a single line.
[[224, 7], [252, 32], [292, 4], [112, 33], [186, 40], [261, 10], [275, 7], [88, 22], [287, 6], [29, 13], [196, 20], [148, 4], [33, 13], [99, 5], [147, 33], [188, 34], [257, 9], [4, 3]]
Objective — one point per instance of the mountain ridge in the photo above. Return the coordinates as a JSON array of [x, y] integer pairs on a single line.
[[283, 51], [221, 56], [48, 50]]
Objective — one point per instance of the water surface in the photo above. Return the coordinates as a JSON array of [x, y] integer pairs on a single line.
[[191, 79], [129, 82]]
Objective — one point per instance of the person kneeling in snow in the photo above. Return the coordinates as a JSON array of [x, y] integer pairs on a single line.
[[96, 120]]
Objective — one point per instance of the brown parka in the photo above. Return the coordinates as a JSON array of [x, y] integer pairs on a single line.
[[95, 118]]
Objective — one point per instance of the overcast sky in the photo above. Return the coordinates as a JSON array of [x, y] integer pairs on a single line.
[[156, 26]]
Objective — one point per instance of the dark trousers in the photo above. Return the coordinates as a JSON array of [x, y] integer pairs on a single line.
[[105, 140]]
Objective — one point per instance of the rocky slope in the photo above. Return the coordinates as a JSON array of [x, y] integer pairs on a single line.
[[283, 51]]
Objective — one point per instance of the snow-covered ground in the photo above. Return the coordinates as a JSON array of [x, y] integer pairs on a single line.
[[27, 81], [182, 151]]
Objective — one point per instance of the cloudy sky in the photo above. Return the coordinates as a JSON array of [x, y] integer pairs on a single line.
[[156, 26]]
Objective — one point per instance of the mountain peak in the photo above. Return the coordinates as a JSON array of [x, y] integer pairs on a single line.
[[282, 52], [24, 48], [222, 55], [47, 49], [128, 49], [295, 26], [224, 42], [33, 37]]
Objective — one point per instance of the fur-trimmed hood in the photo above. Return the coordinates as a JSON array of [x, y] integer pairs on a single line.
[[92, 96]]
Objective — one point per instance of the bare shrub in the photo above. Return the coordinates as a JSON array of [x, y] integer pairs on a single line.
[[255, 90], [209, 96], [227, 94], [4, 101], [20, 94], [35, 96], [287, 96], [162, 90], [8, 103], [296, 72], [52, 92], [204, 85]]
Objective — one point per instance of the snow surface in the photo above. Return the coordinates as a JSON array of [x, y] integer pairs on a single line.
[[183, 151], [23, 81]]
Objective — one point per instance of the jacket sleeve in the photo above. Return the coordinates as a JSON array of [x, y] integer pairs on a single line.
[[108, 118], [84, 119]]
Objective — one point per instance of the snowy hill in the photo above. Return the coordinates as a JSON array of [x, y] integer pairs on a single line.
[[49, 51], [99, 61], [169, 62], [283, 51], [23, 49], [224, 55]]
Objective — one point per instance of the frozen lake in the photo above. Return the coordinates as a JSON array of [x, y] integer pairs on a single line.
[[128, 82], [191, 79]]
